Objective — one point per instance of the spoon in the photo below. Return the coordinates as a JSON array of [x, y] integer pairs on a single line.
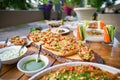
[[6, 41], [39, 50], [22, 47]]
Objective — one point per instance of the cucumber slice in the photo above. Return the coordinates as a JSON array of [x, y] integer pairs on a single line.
[[112, 33], [82, 32]]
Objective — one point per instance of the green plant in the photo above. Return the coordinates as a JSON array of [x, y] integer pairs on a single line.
[[15, 4], [96, 4], [47, 1], [71, 3], [35, 28]]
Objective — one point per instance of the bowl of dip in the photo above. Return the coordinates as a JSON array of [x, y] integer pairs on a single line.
[[29, 66], [10, 55]]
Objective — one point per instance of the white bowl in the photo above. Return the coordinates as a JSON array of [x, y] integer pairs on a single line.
[[48, 70], [30, 57], [4, 52]]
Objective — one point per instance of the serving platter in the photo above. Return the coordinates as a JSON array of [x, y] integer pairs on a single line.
[[101, 66], [19, 40], [61, 56], [54, 23], [56, 30], [95, 38], [72, 58], [63, 30]]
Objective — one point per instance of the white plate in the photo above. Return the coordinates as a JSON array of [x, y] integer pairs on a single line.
[[54, 30], [104, 67], [28, 41], [91, 38]]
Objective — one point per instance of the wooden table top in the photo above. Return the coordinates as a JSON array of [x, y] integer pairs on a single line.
[[111, 56]]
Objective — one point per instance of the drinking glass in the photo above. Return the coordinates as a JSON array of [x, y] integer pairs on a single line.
[[109, 32], [81, 33]]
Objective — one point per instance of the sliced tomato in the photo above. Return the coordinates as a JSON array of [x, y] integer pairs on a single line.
[[71, 68]]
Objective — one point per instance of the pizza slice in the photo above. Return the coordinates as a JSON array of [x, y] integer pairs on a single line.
[[86, 54]]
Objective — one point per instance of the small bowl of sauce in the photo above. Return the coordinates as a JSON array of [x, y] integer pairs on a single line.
[[11, 55], [29, 66], [32, 65]]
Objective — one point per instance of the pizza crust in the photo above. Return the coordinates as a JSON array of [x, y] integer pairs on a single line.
[[72, 52]]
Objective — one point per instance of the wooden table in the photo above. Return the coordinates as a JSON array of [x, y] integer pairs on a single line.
[[111, 56]]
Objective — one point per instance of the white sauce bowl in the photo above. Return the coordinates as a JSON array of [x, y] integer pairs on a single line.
[[10, 55]]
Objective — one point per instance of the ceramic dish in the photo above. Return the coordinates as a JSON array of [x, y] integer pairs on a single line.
[[56, 30], [19, 40], [29, 72], [10, 55], [101, 66], [54, 23], [96, 38], [60, 30]]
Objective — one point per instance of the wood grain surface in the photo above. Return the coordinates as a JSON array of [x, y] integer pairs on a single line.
[[110, 55]]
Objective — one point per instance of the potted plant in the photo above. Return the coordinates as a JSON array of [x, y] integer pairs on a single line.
[[90, 7]]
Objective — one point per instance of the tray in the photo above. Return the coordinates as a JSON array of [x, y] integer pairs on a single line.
[[73, 58]]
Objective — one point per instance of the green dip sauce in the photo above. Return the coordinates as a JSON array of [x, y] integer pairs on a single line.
[[32, 65]]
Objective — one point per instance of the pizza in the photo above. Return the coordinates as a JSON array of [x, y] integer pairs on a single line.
[[80, 72], [63, 45], [86, 54], [58, 44], [17, 40]]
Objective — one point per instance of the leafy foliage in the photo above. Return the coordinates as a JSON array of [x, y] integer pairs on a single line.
[[97, 4], [15, 4], [71, 3], [35, 28], [47, 1]]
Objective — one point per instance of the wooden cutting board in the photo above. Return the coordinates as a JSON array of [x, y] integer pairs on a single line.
[[98, 58], [72, 58]]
